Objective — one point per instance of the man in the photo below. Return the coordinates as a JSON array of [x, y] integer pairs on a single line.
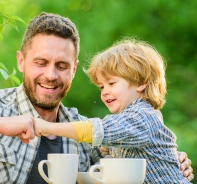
[[48, 61]]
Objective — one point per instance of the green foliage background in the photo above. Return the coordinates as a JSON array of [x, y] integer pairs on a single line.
[[168, 25]]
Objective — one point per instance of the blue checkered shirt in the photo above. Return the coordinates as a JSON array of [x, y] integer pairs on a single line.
[[139, 132], [16, 158]]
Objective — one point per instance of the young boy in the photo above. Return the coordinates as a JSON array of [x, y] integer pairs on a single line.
[[131, 76]]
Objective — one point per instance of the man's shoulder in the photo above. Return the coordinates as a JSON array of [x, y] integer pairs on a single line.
[[8, 102], [7, 94], [8, 90]]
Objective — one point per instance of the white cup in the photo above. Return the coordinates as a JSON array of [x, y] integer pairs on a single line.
[[62, 168], [120, 170], [84, 178]]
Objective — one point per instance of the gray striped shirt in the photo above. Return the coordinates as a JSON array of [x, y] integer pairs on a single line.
[[16, 158]]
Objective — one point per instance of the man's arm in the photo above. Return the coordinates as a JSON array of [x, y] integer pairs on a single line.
[[21, 126]]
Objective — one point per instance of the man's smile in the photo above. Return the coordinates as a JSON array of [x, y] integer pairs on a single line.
[[47, 86]]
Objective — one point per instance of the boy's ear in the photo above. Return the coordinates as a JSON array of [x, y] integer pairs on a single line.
[[141, 88]]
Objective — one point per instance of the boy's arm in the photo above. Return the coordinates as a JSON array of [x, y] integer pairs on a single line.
[[79, 131]]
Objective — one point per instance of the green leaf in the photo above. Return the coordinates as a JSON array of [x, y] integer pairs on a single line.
[[3, 15], [17, 18], [4, 74], [14, 25], [15, 79], [3, 66], [13, 72]]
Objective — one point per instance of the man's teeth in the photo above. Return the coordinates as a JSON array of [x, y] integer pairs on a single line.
[[46, 86]]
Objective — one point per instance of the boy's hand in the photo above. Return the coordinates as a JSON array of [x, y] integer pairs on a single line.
[[41, 127]]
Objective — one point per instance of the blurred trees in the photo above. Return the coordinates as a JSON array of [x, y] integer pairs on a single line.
[[6, 19], [168, 25]]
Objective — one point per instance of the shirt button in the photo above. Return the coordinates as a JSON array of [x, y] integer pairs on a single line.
[[27, 170], [0, 155], [35, 144]]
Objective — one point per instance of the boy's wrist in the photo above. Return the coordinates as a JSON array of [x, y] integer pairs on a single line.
[[49, 128]]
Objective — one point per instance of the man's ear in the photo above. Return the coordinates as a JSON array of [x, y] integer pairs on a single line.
[[141, 88], [20, 60], [75, 68]]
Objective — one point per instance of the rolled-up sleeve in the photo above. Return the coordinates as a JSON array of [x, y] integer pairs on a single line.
[[97, 131]]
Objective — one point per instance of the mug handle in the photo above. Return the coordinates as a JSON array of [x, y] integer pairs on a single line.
[[91, 173], [40, 169]]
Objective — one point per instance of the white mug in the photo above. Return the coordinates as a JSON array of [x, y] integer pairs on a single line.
[[84, 178], [62, 168], [120, 170]]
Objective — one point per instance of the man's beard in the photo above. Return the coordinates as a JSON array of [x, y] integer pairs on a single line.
[[46, 104]]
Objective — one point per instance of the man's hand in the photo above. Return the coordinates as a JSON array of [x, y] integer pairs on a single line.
[[105, 151], [21, 126], [186, 165]]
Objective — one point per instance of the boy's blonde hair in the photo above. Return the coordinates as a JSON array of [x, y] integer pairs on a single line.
[[138, 63]]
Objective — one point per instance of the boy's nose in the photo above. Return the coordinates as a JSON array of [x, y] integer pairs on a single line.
[[105, 92]]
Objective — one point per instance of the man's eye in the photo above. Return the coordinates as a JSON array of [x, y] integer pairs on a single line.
[[63, 66], [41, 63]]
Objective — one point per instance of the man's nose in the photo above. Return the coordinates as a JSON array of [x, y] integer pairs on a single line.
[[51, 73]]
